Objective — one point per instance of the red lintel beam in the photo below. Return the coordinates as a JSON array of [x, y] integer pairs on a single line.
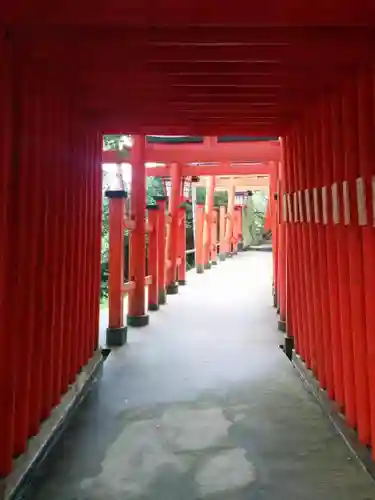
[[188, 170], [257, 151]]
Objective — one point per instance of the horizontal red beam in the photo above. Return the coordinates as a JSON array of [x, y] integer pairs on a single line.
[[222, 169], [257, 151]]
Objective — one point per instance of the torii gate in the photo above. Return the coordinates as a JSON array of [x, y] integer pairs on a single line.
[[222, 164]]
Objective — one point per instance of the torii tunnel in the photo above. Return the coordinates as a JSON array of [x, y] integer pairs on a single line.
[[280, 90]]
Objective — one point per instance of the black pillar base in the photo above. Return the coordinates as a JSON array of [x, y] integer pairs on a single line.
[[214, 263], [182, 282], [278, 310], [138, 320], [116, 337], [281, 325], [240, 247], [162, 298], [275, 300], [153, 307], [229, 255], [288, 346], [200, 268], [207, 265], [222, 257], [172, 289]]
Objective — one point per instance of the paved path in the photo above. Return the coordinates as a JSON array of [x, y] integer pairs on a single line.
[[202, 404]]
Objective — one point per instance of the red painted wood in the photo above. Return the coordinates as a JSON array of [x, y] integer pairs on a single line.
[[137, 238], [161, 250], [355, 252], [282, 250], [153, 260], [182, 245], [174, 202], [199, 248]]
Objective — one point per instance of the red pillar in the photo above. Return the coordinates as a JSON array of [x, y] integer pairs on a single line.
[[214, 237], [342, 264], [182, 246], [207, 232], [174, 203], [199, 247], [355, 253], [162, 236], [222, 223], [282, 251], [153, 260], [136, 314], [116, 331]]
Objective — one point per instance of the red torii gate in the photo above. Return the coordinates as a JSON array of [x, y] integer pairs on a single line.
[[166, 256]]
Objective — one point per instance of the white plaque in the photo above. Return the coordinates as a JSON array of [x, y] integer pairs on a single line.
[[335, 204], [324, 205], [290, 213], [361, 201], [285, 211], [308, 207], [346, 205], [295, 207], [316, 206], [300, 204]]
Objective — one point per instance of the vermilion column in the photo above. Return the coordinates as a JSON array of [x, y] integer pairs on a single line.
[[199, 247], [342, 262], [355, 253], [207, 232], [116, 331], [222, 222], [153, 261], [239, 230], [282, 253], [230, 219], [162, 235], [214, 237], [274, 225], [236, 228], [136, 314], [366, 122], [174, 203], [182, 246]]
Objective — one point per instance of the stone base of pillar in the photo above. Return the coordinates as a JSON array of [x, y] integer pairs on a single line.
[[278, 310], [153, 307], [229, 255], [214, 263], [162, 298], [288, 346], [275, 300], [240, 247], [116, 337], [182, 282], [207, 265], [281, 324], [138, 321], [172, 289], [222, 257], [200, 268]]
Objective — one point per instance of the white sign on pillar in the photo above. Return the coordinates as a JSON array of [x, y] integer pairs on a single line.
[[295, 207], [285, 211], [300, 204], [324, 205], [290, 213], [316, 206], [308, 207], [335, 204], [346, 204], [361, 201]]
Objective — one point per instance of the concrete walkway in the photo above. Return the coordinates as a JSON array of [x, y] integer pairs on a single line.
[[202, 404]]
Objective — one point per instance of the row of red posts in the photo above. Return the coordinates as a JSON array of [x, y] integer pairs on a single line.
[[325, 268], [50, 223], [165, 250]]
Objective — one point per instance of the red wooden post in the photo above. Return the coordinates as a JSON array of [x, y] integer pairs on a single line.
[[136, 313], [355, 253], [207, 231], [174, 203], [161, 202], [116, 331], [343, 264], [199, 247], [214, 237], [282, 253], [182, 247], [239, 230], [230, 219], [223, 243], [366, 122], [153, 260]]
